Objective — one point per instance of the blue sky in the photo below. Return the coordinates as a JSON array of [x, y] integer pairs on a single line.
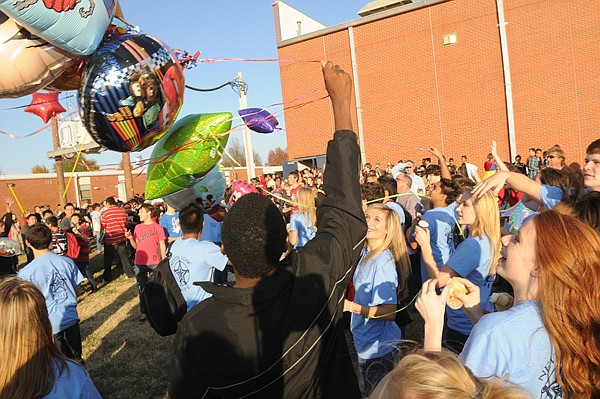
[[220, 29]]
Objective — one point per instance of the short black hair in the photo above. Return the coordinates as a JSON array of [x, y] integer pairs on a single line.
[[36, 216], [39, 236], [46, 213], [111, 201], [451, 188], [387, 182], [371, 192], [191, 219], [254, 235], [52, 221]]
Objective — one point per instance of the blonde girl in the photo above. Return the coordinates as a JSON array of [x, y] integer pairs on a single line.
[[381, 273], [303, 223]]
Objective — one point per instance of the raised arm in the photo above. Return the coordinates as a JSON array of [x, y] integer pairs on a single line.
[[515, 180], [442, 162], [499, 162]]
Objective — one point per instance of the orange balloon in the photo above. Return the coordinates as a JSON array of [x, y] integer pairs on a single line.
[[70, 78]]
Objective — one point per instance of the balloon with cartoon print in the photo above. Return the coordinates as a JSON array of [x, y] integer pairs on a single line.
[[207, 193], [76, 26], [131, 92], [28, 62], [187, 153], [259, 120]]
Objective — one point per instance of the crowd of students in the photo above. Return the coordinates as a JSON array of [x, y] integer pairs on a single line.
[[298, 254]]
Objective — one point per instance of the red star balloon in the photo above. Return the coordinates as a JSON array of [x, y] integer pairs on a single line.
[[45, 105]]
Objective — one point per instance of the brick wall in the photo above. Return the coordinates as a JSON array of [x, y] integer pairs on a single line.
[[417, 93]]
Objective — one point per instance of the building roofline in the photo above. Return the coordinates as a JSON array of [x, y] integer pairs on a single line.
[[33, 176], [361, 21]]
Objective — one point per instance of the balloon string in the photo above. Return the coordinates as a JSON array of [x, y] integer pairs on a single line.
[[12, 136], [38, 103], [254, 60]]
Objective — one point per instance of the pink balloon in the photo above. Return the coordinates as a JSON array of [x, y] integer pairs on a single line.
[[239, 189]]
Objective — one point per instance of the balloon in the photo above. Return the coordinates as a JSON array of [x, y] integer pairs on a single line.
[[240, 188], [9, 247], [76, 26], [258, 120], [207, 193], [131, 92], [189, 151], [45, 105], [70, 78], [28, 62]]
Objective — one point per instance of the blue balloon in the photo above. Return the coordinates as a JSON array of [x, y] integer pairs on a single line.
[[258, 120], [76, 26]]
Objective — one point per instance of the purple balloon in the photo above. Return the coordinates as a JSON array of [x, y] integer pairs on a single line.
[[258, 120]]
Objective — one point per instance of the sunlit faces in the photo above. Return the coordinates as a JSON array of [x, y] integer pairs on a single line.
[[376, 225], [143, 214], [466, 209], [435, 192], [518, 260], [591, 172], [554, 161], [69, 210]]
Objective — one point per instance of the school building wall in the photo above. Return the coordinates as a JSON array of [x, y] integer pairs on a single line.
[[415, 92]]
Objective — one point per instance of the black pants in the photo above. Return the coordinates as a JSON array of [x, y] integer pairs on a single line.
[[110, 251], [69, 342]]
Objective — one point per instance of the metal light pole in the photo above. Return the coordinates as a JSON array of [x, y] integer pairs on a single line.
[[246, 132]]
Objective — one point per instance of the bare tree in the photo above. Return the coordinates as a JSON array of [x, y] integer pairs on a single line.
[[235, 155], [277, 156]]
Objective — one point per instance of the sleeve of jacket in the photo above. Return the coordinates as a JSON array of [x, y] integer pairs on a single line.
[[341, 225]]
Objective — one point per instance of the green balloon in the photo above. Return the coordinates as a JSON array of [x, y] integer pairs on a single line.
[[191, 149]]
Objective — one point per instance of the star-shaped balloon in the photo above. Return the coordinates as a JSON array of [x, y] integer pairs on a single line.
[[45, 105]]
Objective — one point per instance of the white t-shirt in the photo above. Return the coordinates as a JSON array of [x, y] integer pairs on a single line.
[[471, 171], [417, 184]]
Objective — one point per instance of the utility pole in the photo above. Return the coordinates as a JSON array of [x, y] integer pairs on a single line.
[[60, 174], [128, 176], [246, 132]]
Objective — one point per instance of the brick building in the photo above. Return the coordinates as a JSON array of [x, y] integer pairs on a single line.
[[450, 73]]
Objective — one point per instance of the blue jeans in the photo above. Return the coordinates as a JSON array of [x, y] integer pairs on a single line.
[[141, 276], [371, 371]]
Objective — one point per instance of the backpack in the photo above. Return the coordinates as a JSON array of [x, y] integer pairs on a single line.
[[73, 246], [165, 304]]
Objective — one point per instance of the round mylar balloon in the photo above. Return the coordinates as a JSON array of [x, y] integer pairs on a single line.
[[9, 247], [240, 188], [28, 62], [207, 193], [188, 152], [73, 25], [130, 92]]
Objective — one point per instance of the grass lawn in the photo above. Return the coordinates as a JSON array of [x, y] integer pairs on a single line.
[[126, 358]]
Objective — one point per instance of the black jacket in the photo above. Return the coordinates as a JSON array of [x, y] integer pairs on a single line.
[[283, 338]]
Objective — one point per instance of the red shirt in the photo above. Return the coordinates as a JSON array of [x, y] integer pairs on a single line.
[[114, 221], [84, 247], [148, 236]]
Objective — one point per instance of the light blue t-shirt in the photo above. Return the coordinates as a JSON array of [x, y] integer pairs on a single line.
[[514, 344], [211, 230], [56, 276], [171, 225], [193, 260], [441, 228], [375, 283], [472, 261], [550, 196], [76, 383], [399, 211], [301, 223]]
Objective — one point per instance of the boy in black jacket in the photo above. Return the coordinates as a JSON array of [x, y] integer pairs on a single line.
[[277, 333]]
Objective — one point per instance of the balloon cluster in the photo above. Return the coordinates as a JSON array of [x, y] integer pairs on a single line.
[[130, 85], [130, 90]]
